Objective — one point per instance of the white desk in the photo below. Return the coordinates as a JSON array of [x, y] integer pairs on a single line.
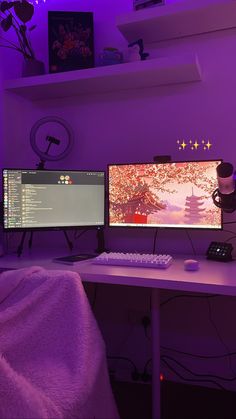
[[212, 278]]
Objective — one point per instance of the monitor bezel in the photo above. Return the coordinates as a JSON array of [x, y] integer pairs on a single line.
[[150, 226], [59, 228]]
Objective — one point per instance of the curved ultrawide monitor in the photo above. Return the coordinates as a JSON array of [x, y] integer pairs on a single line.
[[52, 199], [174, 195]]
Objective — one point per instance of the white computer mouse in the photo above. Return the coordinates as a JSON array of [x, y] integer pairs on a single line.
[[191, 265]]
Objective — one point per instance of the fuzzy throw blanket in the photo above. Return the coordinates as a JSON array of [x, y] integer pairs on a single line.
[[52, 355]]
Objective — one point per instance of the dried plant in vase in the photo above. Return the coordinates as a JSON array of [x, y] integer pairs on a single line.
[[15, 15]]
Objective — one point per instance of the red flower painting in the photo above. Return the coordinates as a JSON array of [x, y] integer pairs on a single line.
[[70, 41]]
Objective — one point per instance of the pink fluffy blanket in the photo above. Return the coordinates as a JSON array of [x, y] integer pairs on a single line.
[[52, 355]]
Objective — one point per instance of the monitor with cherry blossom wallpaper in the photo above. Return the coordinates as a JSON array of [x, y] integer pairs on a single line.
[[176, 194]]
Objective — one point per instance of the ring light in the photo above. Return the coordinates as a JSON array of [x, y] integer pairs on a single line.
[[44, 155]]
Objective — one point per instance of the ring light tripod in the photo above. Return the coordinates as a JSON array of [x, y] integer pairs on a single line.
[[46, 156]]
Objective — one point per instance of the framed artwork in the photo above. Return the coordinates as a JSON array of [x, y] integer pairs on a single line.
[[70, 39]]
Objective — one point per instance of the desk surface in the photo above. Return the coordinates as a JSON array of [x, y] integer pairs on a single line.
[[212, 277]]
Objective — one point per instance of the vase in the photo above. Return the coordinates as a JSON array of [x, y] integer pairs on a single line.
[[32, 68]]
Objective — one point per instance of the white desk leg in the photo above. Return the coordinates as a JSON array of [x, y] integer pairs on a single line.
[[155, 323]]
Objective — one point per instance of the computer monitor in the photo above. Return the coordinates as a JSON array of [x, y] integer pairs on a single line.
[[53, 199], [171, 195]]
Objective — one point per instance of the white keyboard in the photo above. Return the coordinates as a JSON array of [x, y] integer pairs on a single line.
[[134, 259]]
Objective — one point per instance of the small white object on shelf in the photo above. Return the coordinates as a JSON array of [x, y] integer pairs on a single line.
[[133, 53]]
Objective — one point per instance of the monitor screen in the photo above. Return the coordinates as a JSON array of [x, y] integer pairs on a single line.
[[176, 194], [53, 199]]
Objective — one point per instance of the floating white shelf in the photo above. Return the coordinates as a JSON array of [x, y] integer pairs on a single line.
[[176, 20], [134, 75]]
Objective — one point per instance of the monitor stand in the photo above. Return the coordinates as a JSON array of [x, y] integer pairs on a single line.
[[21, 245], [100, 241], [83, 256]]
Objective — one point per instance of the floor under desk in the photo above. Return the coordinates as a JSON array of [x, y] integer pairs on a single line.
[[178, 400]]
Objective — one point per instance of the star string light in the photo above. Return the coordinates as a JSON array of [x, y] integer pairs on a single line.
[[181, 145], [194, 145], [208, 145]]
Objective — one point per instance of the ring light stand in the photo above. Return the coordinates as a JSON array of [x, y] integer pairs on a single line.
[[45, 156]]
